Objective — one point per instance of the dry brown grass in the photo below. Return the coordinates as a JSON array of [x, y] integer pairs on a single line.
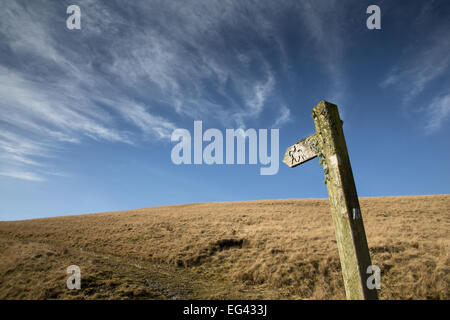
[[273, 249]]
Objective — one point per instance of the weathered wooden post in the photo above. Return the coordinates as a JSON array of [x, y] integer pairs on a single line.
[[329, 143]]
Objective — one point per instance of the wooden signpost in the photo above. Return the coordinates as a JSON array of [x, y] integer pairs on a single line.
[[328, 143]]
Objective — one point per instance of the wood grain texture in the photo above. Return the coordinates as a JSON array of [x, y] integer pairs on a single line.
[[304, 150], [349, 228]]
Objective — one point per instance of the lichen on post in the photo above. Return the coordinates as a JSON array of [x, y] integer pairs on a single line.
[[348, 222]]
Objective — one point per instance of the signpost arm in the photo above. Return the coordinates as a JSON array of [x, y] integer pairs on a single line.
[[348, 222]]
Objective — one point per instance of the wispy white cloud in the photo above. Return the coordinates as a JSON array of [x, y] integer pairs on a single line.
[[26, 102], [259, 94], [437, 113], [189, 67], [129, 76], [326, 28], [19, 154], [22, 146], [255, 99], [138, 114], [23, 175], [284, 117], [51, 98], [420, 69], [423, 69]]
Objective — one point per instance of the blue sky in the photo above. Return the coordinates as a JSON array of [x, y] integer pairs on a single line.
[[86, 115]]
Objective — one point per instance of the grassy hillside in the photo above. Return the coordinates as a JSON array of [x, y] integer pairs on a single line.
[[273, 249]]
